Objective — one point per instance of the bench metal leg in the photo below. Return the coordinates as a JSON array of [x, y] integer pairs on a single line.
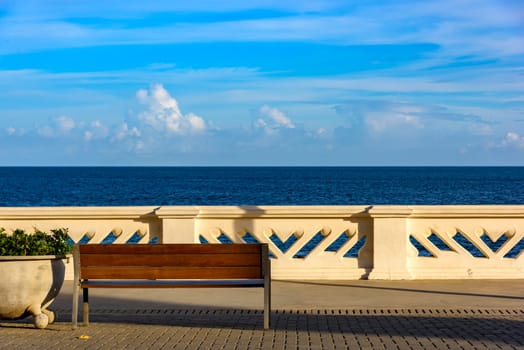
[[74, 316], [266, 270], [267, 306], [76, 286], [86, 306]]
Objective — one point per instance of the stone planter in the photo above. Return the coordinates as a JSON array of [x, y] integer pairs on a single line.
[[28, 284]]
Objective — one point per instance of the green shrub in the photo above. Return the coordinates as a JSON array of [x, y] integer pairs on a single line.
[[21, 243]]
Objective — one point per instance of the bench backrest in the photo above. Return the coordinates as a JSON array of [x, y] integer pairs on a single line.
[[171, 261]]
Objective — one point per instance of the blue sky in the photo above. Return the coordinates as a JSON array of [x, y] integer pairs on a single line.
[[262, 82]]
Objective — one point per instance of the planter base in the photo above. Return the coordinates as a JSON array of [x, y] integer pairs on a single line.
[[30, 285]]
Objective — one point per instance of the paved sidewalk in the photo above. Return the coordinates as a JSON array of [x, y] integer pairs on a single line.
[[306, 315]]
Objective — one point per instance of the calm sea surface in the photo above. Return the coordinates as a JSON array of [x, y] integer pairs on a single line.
[[111, 186]]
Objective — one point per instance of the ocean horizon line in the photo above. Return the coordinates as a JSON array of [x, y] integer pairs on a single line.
[[261, 166]]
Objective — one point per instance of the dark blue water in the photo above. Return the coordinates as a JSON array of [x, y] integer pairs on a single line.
[[111, 186]]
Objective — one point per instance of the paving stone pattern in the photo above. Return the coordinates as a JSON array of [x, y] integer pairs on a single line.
[[291, 329]]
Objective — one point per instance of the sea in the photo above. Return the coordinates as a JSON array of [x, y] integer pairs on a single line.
[[157, 186]]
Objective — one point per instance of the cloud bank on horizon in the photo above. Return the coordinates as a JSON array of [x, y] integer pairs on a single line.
[[262, 82]]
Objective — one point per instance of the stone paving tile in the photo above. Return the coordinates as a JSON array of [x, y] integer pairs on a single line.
[[292, 329]]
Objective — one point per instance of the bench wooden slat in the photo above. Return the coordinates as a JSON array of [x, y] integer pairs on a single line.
[[227, 283], [157, 260], [170, 272], [133, 249]]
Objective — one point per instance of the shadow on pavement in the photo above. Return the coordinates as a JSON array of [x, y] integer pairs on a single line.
[[496, 326]]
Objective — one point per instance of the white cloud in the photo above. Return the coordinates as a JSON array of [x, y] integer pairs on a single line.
[[100, 128], [513, 140], [11, 131], [196, 122], [46, 131], [88, 135], [59, 126], [123, 131], [64, 124], [321, 132], [481, 129], [379, 122], [381, 115], [163, 113], [272, 119], [277, 116], [97, 130], [139, 145]]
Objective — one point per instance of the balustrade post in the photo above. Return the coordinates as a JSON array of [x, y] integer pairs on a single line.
[[390, 242], [178, 224]]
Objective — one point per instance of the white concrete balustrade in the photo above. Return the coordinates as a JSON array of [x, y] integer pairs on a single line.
[[315, 242]]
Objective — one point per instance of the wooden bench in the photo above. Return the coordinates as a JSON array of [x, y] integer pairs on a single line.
[[169, 266]]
